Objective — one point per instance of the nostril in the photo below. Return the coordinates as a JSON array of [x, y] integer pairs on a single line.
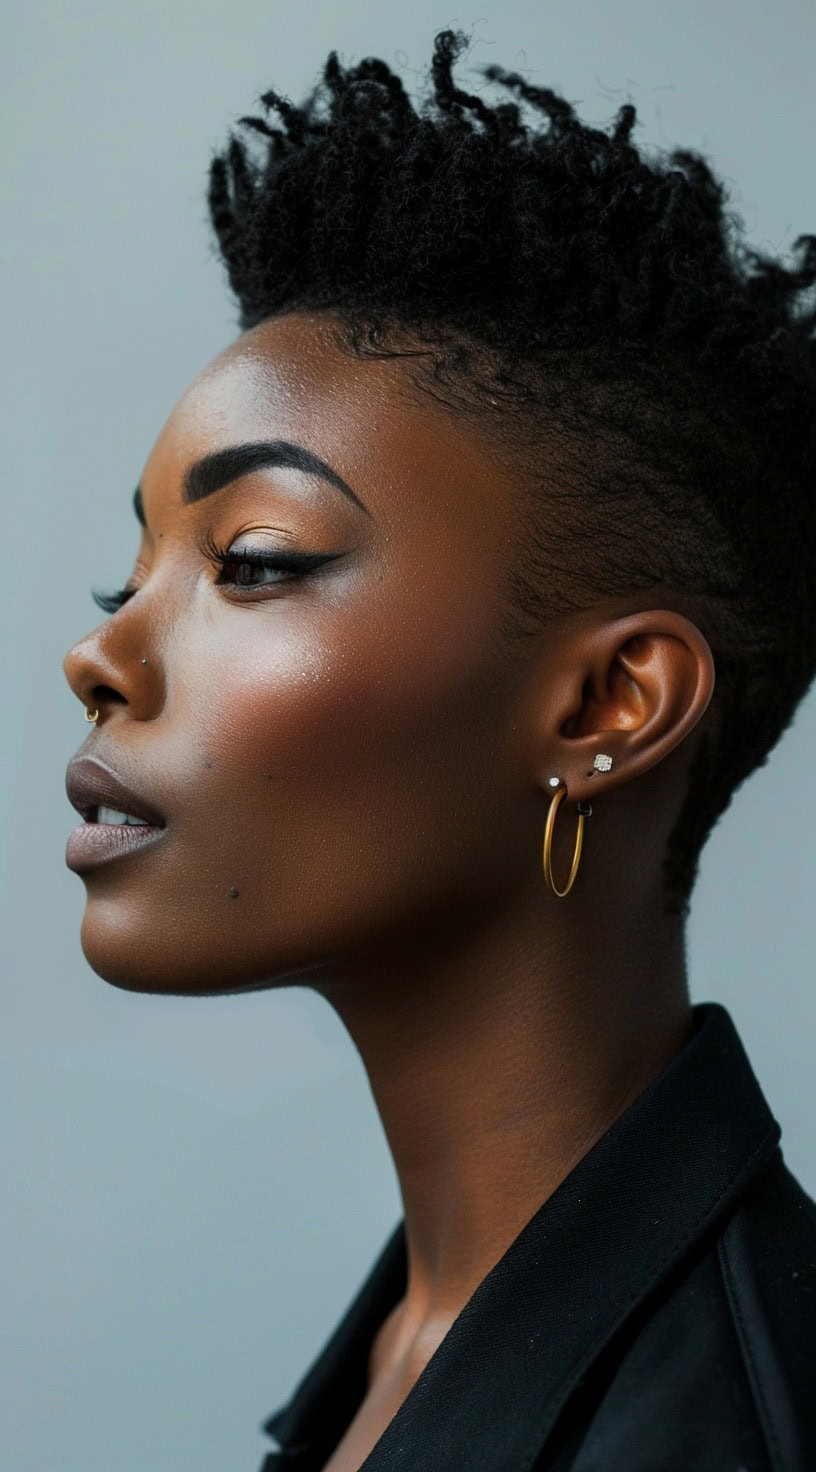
[[105, 695]]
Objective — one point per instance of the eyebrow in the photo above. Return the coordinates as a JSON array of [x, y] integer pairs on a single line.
[[222, 467]]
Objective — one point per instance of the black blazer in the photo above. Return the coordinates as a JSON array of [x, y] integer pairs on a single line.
[[656, 1314]]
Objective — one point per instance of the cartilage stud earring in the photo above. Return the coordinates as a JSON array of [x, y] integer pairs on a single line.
[[602, 762]]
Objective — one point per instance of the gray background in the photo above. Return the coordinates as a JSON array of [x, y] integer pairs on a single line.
[[192, 1190]]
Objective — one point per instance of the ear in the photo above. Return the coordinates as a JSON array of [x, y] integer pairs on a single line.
[[630, 689]]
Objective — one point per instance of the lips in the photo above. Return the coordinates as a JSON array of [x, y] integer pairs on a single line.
[[90, 785]]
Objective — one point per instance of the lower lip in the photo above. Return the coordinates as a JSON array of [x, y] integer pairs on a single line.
[[95, 843]]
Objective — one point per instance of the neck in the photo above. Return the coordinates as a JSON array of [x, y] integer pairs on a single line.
[[497, 1063]]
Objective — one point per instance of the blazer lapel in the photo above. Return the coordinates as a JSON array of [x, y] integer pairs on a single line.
[[667, 1169]]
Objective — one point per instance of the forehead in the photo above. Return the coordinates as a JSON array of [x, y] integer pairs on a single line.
[[289, 379]]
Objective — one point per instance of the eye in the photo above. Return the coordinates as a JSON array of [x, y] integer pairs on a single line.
[[243, 568], [246, 567], [110, 602]]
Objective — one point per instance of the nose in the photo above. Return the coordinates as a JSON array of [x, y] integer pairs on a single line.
[[91, 680], [102, 677]]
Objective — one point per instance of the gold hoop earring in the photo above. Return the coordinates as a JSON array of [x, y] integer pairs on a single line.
[[94, 718], [584, 811]]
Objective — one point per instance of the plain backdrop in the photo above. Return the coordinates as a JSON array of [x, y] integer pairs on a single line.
[[193, 1189]]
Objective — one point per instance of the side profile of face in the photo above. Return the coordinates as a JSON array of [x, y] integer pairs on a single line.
[[348, 758], [327, 748]]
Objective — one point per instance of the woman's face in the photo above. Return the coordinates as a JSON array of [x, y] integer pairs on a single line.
[[333, 751]]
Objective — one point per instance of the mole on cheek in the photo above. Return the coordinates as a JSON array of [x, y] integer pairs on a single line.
[[234, 893]]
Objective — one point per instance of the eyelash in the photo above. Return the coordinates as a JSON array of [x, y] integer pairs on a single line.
[[295, 563]]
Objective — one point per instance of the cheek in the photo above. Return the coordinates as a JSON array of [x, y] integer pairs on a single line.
[[349, 752], [333, 781], [331, 706]]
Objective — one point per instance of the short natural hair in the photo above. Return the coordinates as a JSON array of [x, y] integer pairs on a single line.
[[604, 304]]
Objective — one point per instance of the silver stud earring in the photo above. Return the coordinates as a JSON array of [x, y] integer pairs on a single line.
[[602, 763]]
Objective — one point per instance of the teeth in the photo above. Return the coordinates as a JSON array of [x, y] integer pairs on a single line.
[[110, 815]]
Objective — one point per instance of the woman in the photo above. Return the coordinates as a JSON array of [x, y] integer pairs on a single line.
[[474, 578]]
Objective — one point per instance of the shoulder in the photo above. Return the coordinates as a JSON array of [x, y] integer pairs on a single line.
[[715, 1368], [767, 1259]]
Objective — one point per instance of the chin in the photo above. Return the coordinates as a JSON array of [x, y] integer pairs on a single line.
[[129, 955]]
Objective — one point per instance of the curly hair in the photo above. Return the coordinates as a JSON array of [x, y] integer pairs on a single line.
[[546, 277]]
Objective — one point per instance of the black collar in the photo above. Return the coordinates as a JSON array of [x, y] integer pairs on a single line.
[[638, 1201]]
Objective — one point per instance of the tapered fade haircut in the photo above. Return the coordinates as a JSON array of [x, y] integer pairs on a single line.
[[599, 308]]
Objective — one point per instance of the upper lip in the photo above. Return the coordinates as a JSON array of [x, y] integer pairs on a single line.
[[90, 784]]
